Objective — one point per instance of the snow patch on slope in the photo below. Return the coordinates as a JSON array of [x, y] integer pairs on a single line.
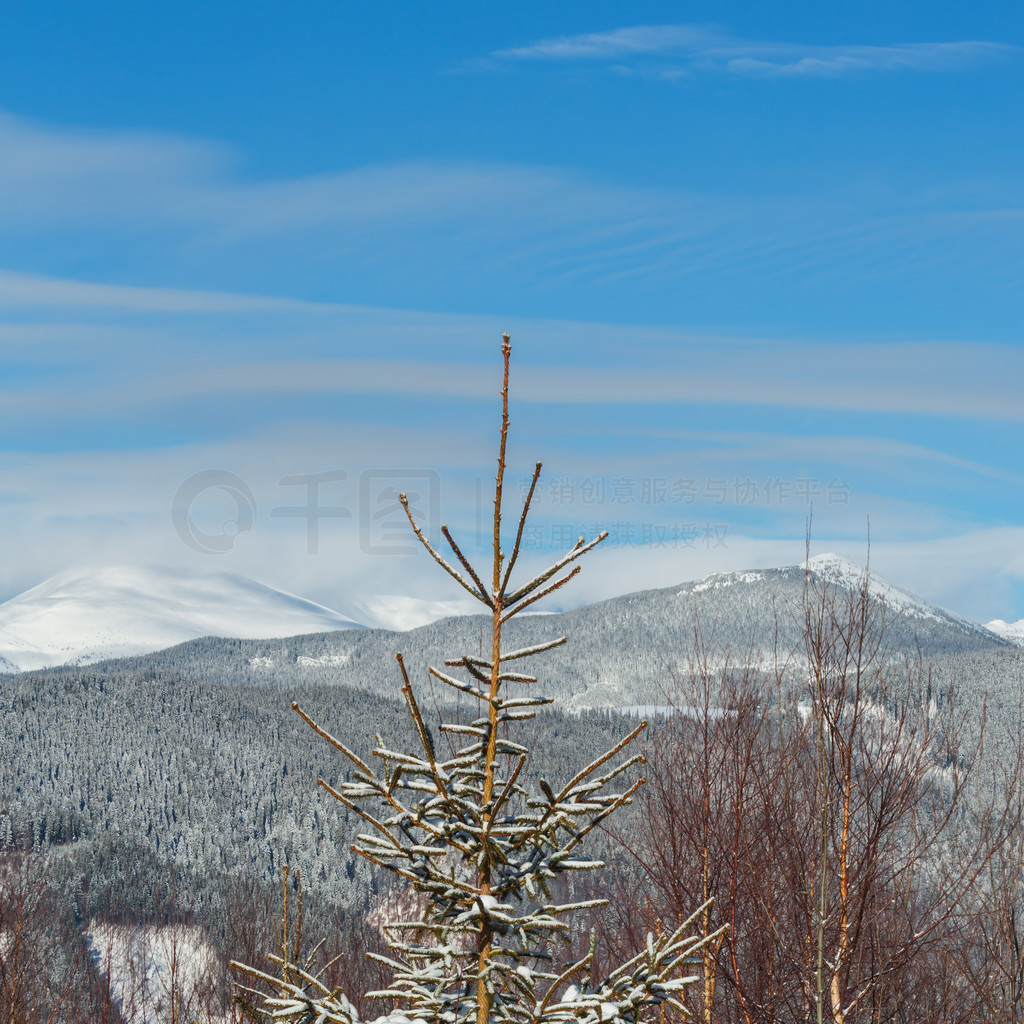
[[333, 659], [157, 974], [717, 580], [84, 616]]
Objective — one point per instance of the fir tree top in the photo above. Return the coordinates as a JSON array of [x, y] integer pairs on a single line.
[[480, 848]]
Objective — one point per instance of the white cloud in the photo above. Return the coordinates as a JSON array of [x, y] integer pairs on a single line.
[[74, 508], [832, 61], [72, 175], [670, 51], [793, 376], [617, 44], [54, 176]]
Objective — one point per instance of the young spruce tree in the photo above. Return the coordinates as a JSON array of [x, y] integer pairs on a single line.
[[481, 849]]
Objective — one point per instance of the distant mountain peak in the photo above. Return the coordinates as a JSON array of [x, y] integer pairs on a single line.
[[843, 572], [87, 615]]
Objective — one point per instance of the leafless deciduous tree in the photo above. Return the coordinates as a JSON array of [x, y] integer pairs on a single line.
[[47, 975], [815, 802]]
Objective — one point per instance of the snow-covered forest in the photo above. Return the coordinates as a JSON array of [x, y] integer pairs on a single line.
[[136, 799]]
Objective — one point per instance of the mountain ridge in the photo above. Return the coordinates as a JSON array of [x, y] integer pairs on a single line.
[[87, 616], [624, 651]]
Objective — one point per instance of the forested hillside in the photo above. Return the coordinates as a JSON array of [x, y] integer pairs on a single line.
[[123, 768]]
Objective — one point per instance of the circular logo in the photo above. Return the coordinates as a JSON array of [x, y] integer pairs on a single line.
[[184, 499]]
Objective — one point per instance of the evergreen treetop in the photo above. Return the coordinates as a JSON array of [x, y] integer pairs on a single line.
[[479, 849]]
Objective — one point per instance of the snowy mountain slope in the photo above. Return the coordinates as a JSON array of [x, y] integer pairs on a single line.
[[844, 574], [836, 569], [83, 616]]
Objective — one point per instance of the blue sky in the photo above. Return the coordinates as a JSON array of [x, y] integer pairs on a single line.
[[755, 259]]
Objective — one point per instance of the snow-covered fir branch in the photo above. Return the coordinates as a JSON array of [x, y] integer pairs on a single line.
[[483, 851]]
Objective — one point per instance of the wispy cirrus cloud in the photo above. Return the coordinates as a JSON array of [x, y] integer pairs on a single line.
[[618, 43], [35, 291], [150, 208], [675, 51]]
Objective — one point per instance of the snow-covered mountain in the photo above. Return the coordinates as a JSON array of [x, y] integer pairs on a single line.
[[904, 608], [1012, 631], [83, 616], [842, 571], [626, 651]]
